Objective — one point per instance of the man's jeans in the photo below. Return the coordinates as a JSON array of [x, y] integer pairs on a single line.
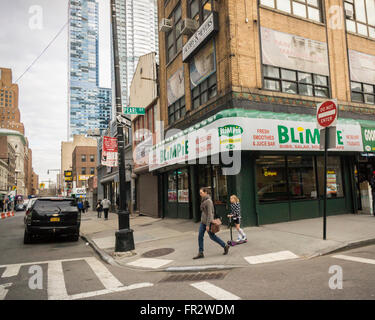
[[202, 230]]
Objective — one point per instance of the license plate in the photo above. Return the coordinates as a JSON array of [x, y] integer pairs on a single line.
[[55, 219]]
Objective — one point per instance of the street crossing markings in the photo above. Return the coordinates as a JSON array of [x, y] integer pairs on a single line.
[[3, 290], [271, 257], [56, 286], [355, 259], [214, 291], [11, 271], [106, 278], [56, 282], [107, 291], [149, 263]]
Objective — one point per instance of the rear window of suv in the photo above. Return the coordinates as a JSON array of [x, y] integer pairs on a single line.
[[55, 205]]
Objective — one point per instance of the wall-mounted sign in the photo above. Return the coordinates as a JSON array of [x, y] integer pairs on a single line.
[[67, 179], [68, 173], [175, 86], [368, 137], [245, 133], [289, 51], [84, 177], [362, 67], [199, 38], [203, 64]]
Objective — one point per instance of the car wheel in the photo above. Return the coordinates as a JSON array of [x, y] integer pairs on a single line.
[[75, 237], [27, 238]]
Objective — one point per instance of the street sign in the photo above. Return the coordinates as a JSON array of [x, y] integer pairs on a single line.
[[326, 113], [124, 121], [133, 110], [326, 117]]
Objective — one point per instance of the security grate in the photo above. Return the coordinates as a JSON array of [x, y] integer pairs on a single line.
[[195, 276]]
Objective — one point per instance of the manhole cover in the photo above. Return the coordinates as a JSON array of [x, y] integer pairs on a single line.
[[157, 252], [195, 276]]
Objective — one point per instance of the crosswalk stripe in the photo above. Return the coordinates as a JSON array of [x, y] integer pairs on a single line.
[[356, 259], [3, 291], [11, 271], [271, 257], [149, 263], [107, 291], [56, 281], [214, 291], [41, 262], [106, 278]]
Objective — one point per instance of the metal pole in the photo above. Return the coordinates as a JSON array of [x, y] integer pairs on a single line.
[[326, 137], [124, 237]]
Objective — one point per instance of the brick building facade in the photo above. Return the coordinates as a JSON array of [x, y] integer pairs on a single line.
[[247, 70]]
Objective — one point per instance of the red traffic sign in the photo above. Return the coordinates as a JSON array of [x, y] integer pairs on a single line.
[[326, 113]]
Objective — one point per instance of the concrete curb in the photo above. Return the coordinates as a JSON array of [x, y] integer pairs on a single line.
[[103, 255], [344, 247]]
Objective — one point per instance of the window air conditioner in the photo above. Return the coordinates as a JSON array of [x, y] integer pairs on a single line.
[[349, 14], [165, 25], [189, 26]]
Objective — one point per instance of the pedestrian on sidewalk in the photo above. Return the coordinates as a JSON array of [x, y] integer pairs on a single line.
[[207, 208], [236, 216], [372, 184], [106, 203], [80, 206], [86, 205], [99, 208]]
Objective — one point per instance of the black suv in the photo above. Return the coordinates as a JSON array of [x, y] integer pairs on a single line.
[[52, 216]]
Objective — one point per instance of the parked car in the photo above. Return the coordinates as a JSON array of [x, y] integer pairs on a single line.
[[20, 207], [28, 207], [52, 216]]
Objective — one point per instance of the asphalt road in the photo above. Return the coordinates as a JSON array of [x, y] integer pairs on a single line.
[[62, 269]]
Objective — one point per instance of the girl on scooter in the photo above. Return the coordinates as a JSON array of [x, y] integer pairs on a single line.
[[236, 217]]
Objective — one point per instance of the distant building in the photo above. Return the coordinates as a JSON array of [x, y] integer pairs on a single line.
[[89, 106], [67, 148], [84, 165], [10, 117], [137, 34]]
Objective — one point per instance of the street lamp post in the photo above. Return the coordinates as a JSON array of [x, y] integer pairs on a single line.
[[124, 236]]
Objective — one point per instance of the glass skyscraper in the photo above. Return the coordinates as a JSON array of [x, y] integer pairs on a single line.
[[137, 32], [89, 106]]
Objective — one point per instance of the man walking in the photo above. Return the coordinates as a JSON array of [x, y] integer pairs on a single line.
[[372, 184], [106, 203], [207, 208]]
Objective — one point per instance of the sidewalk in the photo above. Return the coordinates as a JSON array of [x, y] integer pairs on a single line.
[[170, 244]]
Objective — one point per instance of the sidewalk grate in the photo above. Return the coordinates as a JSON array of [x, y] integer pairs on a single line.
[[157, 252], [195, 276]]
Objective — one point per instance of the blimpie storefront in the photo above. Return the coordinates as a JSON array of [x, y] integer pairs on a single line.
[[271, 161]]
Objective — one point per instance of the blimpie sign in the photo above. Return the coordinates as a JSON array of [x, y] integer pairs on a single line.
[[242, 133]]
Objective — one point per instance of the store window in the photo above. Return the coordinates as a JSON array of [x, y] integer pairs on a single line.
[[183, 186], [178, 186], [219, 180], [360, 17], [205, 178], [271, 179], [172, 187], [335, 187], [295, 82], [362, 92], [174, 37], [301, 173], [309, 9]]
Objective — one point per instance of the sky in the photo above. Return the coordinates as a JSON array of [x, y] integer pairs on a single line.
[[26, 28]]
